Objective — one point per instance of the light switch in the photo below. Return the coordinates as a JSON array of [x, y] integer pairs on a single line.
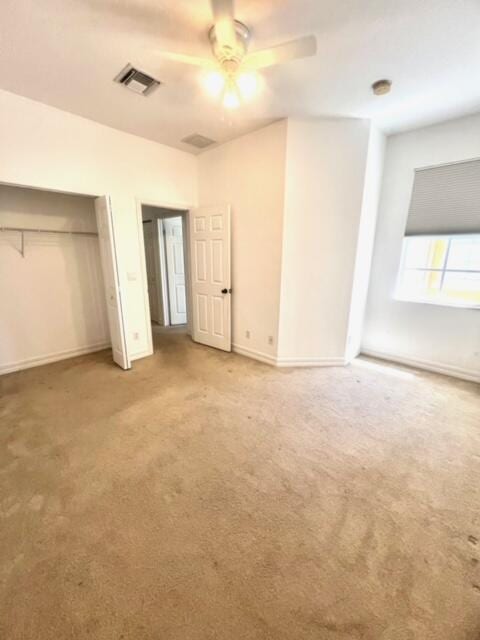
[[131, 275]]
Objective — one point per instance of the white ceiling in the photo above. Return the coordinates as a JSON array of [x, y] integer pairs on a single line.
[[66, 52]]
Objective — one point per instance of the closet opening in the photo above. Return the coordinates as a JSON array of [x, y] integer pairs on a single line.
[[51, 278]]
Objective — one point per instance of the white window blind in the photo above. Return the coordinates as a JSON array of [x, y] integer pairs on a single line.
[[445, 200]]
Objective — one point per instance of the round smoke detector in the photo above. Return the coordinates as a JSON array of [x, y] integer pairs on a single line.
[[381, 87]]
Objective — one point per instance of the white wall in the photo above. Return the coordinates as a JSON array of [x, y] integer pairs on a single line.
[[53, 299], [293, 287], [325, 183], [249, 174], [365, 241], [304, 198], [440, 338], [51, 149]]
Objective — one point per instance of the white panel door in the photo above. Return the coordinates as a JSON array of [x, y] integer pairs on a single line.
[[175, 270], [149, 228], [211, 276], [108, 253]]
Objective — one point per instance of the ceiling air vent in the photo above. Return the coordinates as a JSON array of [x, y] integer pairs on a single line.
[[198, 141], [136, 80]]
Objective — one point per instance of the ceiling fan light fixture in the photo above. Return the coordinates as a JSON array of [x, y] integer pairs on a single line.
[[233, 70], [214, 82], [233, 41], [231, 99], [248, 84]]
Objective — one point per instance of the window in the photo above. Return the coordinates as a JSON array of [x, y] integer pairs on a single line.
[[441, 270]]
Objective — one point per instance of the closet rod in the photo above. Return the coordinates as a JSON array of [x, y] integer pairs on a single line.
[[25, 229]]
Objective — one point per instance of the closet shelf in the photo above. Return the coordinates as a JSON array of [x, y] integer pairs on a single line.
[[24, 230]]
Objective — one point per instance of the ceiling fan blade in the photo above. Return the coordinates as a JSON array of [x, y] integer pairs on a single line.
[[183, 58], [224, 20], [300, 48], [223, 9]]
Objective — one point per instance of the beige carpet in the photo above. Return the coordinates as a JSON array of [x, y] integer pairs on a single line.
[[205, 496]]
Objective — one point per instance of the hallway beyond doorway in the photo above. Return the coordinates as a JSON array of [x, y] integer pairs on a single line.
[[164, 233]]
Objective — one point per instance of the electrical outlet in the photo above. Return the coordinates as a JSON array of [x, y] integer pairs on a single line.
[[270, 339], [136, 335], [247, 334]]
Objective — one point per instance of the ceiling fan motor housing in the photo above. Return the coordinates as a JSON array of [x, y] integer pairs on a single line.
[[227, 55]]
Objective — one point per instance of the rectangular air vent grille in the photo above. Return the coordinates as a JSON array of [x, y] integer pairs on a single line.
[[136, 80], [198, 141]]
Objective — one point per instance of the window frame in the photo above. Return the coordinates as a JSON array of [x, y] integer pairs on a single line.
[[401, 297]]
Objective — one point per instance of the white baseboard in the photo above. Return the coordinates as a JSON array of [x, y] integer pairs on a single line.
[[288, 362], [256, 355], [52, 357], [427, 365], [311, 362]]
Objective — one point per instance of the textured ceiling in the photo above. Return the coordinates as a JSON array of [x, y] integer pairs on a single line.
[[66, 52]]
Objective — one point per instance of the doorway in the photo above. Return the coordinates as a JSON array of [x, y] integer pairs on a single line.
[[188, 272], [165, 234]]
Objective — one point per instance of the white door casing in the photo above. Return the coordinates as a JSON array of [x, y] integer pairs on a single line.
[[108, 254], [211, 276], [153, 292], [175, 270]]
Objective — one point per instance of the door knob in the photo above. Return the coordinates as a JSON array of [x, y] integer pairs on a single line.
[[224, 290]]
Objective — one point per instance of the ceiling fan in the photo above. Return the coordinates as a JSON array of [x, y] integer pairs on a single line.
[[232, 71]]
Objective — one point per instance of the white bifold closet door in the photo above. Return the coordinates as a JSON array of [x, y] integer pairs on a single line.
[[211, 276], [108, 254]]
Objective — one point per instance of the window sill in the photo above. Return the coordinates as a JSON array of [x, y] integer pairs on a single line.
[[437, 303]]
